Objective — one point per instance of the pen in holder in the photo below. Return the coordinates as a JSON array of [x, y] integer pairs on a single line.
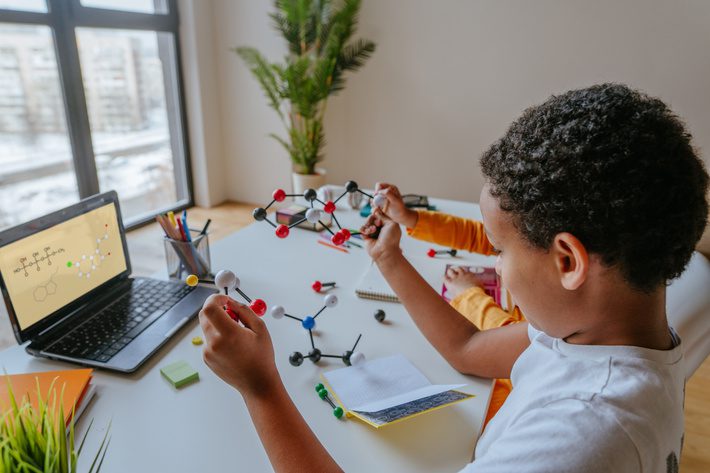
[[188, 257]]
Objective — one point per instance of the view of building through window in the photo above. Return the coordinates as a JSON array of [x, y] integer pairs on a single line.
[[36, 166], [126, 100], [129, 97], [138, 6]]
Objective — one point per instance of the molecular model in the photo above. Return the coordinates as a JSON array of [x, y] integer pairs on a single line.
[[350, 357], [432, 252], [226, 280], [323, 394], [313, 215]]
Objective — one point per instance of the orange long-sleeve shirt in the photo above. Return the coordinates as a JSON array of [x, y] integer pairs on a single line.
[[474, 304]]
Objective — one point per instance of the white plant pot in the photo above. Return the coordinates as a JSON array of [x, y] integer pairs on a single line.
[[301, 182]]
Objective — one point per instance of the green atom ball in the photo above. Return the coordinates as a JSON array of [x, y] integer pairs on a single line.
[[69, 264]]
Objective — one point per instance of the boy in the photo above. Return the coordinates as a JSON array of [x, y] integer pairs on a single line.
[[594, 200]]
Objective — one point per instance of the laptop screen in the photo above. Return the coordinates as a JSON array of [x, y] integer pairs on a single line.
[[47, 270]]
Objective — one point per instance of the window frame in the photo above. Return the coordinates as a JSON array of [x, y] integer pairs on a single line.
[[63, 18]]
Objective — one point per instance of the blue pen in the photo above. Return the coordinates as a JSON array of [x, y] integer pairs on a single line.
[[184, 224], [189, 240]]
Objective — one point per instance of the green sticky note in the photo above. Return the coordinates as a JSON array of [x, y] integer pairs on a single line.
[[180, 374]]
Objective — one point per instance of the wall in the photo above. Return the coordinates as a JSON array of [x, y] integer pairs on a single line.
[[447, 79], [201, 101]]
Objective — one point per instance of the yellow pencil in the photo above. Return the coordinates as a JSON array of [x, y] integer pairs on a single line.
[[171, 216]]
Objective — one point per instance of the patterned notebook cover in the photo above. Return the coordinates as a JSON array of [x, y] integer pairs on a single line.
[[411, 409], [488, 277]]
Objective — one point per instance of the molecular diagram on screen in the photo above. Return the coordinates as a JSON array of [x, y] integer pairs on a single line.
[[313, 214], [37, 260], [91, 260], [49, 288]]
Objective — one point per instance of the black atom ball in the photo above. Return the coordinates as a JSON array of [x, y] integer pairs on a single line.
[[314, 355], [259, 214], [295, 359], [310, 195], [346, 357]]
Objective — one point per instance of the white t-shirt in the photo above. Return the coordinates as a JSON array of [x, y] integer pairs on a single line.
[[587, 408]]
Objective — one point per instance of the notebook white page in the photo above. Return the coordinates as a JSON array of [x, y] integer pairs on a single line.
[[381, 384]]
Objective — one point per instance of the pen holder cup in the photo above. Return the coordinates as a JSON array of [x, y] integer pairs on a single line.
[[188, 257]]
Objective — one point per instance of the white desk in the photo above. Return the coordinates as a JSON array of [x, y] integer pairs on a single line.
[[206, 427]]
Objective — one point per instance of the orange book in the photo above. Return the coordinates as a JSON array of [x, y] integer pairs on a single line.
[[75, 383]]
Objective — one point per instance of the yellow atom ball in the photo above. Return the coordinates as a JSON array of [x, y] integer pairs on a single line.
[[197, 341], [192, 280]]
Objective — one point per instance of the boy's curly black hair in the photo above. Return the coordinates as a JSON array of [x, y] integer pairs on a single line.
[[612, 166]]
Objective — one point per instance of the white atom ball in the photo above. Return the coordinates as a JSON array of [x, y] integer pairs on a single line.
[[277, 311], [357, 358], [380, 200], [313, 215], [331, 300], [226, 278]]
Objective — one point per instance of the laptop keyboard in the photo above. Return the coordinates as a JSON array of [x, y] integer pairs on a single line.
[[114, 327]]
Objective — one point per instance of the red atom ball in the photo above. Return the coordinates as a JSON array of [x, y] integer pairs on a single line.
[[279, 195], [258, 306], [317, 286], [282, 231], [338, 239], [232, 314], [329, 207], [431, 253], [346, 233]]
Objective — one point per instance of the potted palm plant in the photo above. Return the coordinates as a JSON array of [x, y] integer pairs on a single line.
[[321, 50]]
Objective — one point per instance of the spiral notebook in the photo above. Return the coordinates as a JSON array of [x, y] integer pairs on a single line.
[[388, 390], [374, 286]]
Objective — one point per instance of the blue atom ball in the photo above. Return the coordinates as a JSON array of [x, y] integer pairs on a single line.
[[308, 323]]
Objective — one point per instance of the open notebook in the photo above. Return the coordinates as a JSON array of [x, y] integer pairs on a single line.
[[388, 390]]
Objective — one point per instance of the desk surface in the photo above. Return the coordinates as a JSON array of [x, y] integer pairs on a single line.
[[206, 427]]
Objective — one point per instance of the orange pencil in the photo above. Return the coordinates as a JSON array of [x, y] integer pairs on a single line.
[[333, 246]]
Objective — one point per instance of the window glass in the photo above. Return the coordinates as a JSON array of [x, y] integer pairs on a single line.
[[138, 6], [129, 82], [27, 5], [36, 165]]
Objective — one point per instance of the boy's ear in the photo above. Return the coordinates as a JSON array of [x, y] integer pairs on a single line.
[[571, 259]]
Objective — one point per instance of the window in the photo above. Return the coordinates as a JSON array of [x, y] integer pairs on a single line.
[[90, 101]]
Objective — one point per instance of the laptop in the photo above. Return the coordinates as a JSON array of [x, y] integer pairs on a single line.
[[66, 282]]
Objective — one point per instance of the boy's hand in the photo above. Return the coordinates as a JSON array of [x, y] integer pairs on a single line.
[[381, 235], [242, 356], [459, 279], [395, 208]]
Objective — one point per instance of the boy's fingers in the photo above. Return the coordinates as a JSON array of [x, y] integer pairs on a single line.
[[371, 223], [213, 311], [380, 217], [250, 320], [391, 196]]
